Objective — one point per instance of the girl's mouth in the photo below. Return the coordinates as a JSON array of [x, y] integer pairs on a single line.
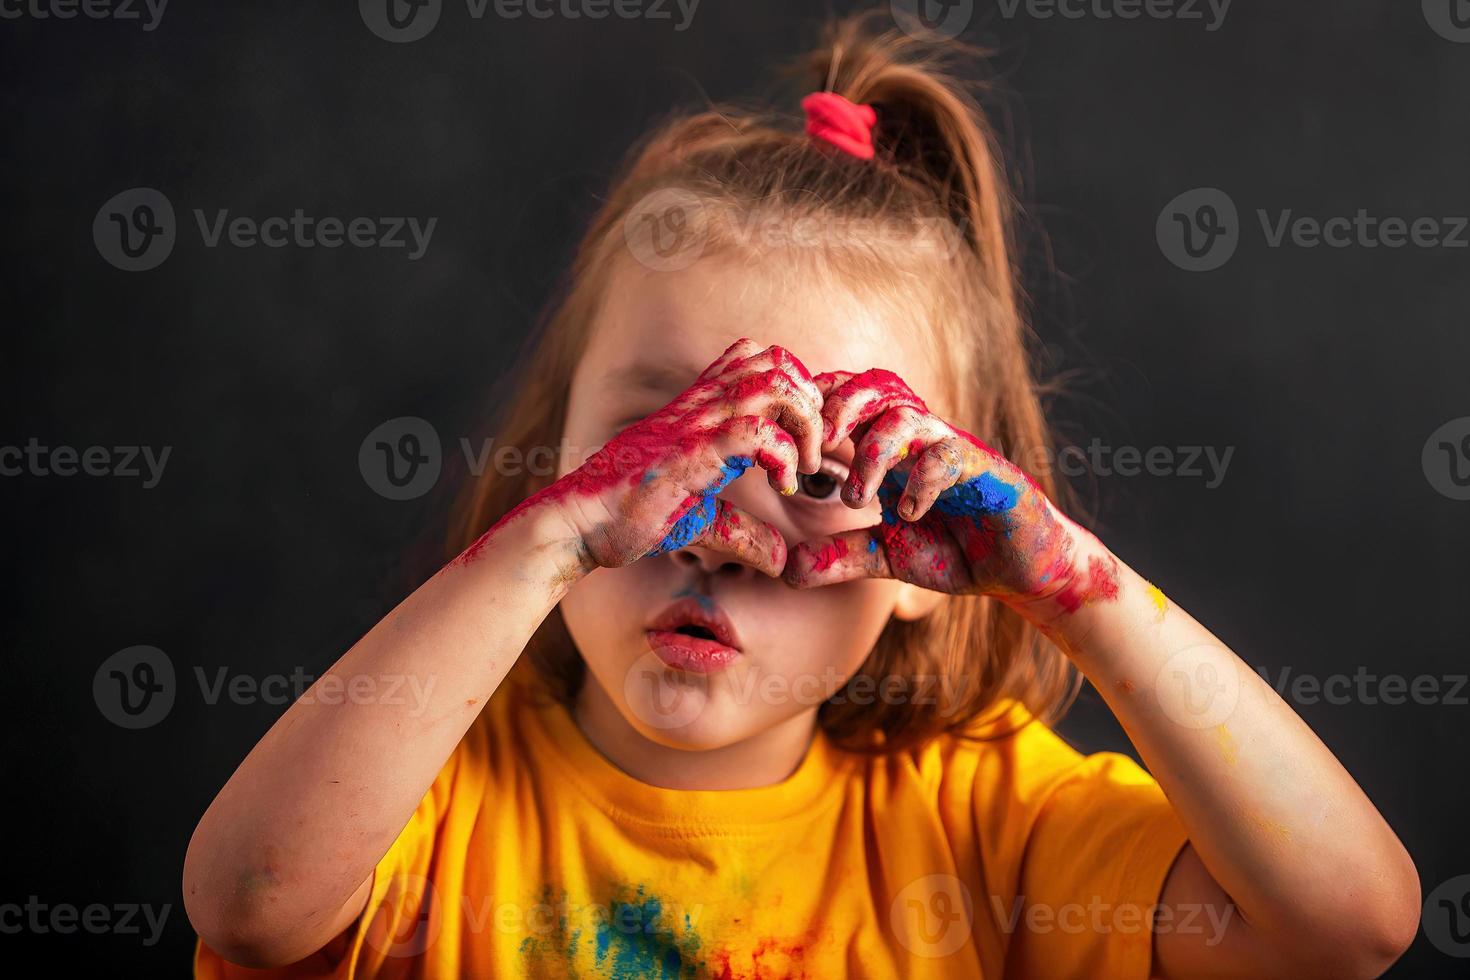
[[694, 634], [692, 648]]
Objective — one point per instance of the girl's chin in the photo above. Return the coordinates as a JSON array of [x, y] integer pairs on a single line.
[[688, 720]]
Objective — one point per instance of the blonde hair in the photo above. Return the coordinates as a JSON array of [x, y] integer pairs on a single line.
[[936, 178]]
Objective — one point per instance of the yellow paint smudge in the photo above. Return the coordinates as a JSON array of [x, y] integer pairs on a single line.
[[1160, 601], [1272, 827], [1226, 742]]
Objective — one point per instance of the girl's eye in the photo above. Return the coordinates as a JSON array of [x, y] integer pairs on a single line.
[[823, 484]]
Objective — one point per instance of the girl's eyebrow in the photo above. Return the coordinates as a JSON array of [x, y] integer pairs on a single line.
[[641, 376]]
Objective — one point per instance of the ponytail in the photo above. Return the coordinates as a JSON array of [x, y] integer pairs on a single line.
[[930, 128]]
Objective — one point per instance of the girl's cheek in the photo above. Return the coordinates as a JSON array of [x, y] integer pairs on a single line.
[[841, 623]]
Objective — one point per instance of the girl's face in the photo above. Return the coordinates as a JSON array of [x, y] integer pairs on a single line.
[[655, 333]]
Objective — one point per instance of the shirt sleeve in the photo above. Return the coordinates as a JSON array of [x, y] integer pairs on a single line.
[[400, 920], [1100, 847]]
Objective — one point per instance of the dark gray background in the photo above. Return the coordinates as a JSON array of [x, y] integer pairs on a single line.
[[264, 550]]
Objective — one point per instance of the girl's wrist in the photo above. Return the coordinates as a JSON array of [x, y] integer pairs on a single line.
[[539, 538], [1079, 574]]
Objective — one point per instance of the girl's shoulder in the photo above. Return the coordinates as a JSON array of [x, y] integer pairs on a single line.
[[1009, 757]]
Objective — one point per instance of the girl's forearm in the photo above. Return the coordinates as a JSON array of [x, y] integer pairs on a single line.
[[299, 827], [1279, 823]]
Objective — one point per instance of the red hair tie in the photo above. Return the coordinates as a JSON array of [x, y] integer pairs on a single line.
[[834, 119]]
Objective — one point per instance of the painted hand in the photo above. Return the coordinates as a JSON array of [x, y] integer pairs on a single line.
[[653, 487], [957, 516]]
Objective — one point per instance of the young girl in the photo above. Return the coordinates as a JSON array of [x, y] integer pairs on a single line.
[[683, 721]]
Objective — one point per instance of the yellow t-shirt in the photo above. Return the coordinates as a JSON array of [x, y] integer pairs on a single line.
[[533, 856]]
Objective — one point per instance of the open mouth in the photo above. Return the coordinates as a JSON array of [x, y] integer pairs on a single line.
[[694, 634]]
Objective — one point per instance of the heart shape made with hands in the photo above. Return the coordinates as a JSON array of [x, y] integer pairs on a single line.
[[957, 516]]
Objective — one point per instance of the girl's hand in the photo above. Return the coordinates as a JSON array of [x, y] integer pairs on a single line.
[[957, 516], [652, 488]]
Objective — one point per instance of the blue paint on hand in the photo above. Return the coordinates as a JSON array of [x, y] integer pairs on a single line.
[[978, 497], [985, 494], [694, 521]]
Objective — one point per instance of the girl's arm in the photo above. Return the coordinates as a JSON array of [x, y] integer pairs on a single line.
[[1278, 828], [1319, 884], [282, 860]]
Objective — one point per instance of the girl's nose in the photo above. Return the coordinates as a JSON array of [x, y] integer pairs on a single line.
[[711, 562]]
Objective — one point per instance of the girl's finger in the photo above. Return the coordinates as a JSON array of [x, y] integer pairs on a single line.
[[762, 442], [886, 442], [829, 381], [937, 467], [778, 358], [773, 395], [744, 347], [745, 538], [921, 554], [860, 399], [837, 558]]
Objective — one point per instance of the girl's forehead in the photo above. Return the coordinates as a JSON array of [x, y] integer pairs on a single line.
[[661, 329]]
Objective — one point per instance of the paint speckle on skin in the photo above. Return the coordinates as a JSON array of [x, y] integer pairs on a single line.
[[1160, 601], [1101, 585], [830, 555], [1226, 743], [705, 602], [1272, 828]]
